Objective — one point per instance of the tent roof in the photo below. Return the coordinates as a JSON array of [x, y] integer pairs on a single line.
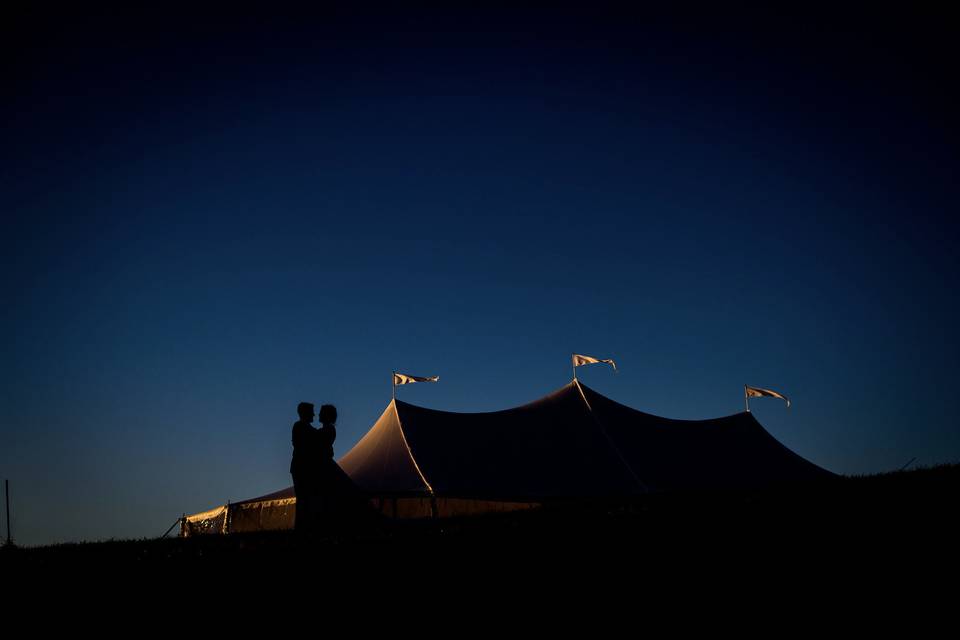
[[283, 494], [730, 452], [573, 442], [550, 447]]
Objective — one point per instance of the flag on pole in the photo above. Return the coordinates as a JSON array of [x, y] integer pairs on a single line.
[[579, 360], [401, 378], [757, 392]]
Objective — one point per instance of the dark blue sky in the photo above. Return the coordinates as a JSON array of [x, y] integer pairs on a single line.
[[209, 219]]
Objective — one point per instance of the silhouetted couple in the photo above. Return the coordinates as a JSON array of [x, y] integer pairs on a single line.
[[327, 500]]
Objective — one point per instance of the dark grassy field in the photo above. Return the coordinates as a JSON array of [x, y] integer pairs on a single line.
[[888, 519]]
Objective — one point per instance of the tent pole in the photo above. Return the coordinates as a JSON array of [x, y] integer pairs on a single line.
[[393, 383], [746, 398], [611, 443]]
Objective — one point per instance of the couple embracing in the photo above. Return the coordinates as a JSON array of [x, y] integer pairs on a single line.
[[315, 473]]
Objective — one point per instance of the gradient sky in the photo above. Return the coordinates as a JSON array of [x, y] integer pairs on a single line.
[[207, 220]]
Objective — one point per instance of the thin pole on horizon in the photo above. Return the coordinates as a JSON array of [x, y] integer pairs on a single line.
[[746, 398], [9, 537], [574, 367], [393, 383]]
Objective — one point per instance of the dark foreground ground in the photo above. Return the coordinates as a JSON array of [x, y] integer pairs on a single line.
[[891, 523]]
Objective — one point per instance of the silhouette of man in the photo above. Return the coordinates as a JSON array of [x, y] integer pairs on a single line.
[[304, 469]]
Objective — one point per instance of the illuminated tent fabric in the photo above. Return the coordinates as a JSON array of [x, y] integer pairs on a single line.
[[265, 513], [573, 443], [548, 448]]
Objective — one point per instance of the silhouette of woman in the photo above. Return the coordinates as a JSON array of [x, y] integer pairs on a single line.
[[342, 507], [327, 468], [327, 431]]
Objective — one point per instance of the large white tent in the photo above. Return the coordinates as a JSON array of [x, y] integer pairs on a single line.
[[571, 444]]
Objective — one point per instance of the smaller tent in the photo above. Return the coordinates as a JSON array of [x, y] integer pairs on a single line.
[[265, 513]]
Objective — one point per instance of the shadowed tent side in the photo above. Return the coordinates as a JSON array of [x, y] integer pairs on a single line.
[[421, 461], [549, 448], [733, 452]]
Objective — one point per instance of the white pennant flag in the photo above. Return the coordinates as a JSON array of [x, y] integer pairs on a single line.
[[579, 360], [757, 392], [400, 378]]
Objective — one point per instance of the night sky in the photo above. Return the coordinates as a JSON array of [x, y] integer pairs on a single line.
[[210, 218]]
